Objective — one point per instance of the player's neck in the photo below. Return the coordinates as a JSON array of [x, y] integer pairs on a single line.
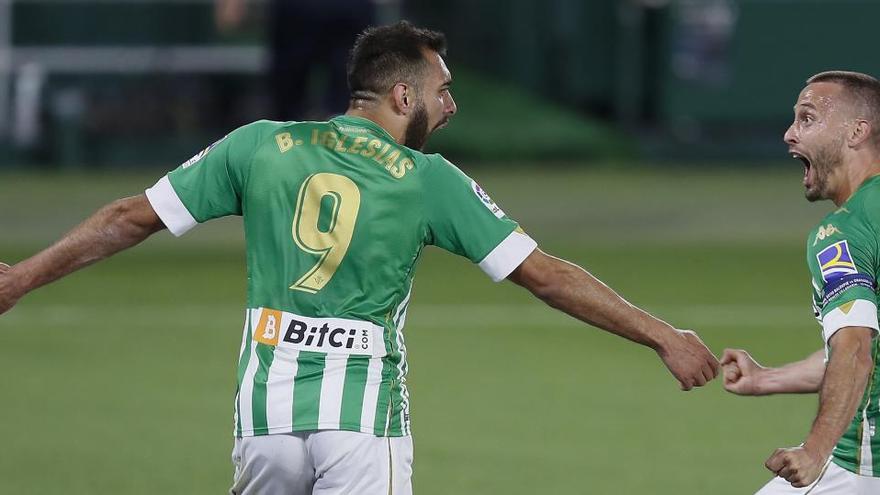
[[393, 124], [861, 168]]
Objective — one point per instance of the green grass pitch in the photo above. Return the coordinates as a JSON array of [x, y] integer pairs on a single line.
[[120, 378]]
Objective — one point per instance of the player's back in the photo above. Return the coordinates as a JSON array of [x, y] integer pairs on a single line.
[[333, 220]]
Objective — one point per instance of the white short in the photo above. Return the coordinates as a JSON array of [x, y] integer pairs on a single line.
[[834, 480], [324, 462]]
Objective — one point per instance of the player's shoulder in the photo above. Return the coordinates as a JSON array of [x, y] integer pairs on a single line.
[[863, 208], [263, 127], [866, 200], [855, 222], [842, 224], [254, 133], [435, 163]]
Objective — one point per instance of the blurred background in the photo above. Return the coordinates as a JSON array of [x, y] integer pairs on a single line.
[[95, 83], [640, 139]]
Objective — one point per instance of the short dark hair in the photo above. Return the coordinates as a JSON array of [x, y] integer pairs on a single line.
[[862, 89], [386, 55]]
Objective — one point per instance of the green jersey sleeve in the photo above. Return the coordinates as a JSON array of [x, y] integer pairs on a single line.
[[842, 256], [463, 219], [210, 184]]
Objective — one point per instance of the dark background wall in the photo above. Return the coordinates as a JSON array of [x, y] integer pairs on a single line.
[[670, 79]]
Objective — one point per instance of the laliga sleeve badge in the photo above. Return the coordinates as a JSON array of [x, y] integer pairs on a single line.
[[486, 200], [201, 154]]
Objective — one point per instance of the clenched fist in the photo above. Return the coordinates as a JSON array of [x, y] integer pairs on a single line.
[[741, 372], [689, 360], [797, 465]]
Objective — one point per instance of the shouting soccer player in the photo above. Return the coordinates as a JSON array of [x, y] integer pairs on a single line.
[[836, 134], [336, 215]]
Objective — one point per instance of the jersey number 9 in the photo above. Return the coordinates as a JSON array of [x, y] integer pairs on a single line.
[[329, 241]]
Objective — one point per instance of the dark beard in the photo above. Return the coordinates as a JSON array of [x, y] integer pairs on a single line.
[[417, 131], [827, 160]]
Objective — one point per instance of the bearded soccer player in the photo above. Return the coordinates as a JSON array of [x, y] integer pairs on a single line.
[[836, 134], [336, 215]]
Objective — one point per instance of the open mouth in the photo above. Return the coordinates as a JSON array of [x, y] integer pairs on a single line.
[[804, 160]]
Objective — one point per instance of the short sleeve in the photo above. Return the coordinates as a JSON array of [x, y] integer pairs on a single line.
[[463, 219], [208, 185], [843, 267]]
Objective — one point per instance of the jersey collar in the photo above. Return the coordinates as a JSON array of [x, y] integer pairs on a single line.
[[363, 122]]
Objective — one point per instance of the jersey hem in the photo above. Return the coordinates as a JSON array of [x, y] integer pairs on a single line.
[[314, 427], [851, 467]]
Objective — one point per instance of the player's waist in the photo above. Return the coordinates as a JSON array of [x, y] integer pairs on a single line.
[[286, 330]]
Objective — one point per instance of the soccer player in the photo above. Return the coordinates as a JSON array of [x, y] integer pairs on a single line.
[[836, 134], [336, 215]]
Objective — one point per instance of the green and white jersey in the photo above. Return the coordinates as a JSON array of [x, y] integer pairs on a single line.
[[843, 253], [335, 215]]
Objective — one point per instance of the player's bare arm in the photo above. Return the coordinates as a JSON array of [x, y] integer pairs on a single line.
[[846, 376], [117, 226], [744, 376], [571, 289]]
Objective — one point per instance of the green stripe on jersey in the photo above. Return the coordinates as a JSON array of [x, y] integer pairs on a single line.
[[242, 366], [353, 391], [398, 426], [875, 448], [394, 425], [265, 356], [307, 392], [874, 408], [383, 402], [395, 390]]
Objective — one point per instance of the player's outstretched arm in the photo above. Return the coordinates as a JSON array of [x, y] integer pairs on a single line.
[[744, 376], [849, 366], [571, 289], [117, 226]]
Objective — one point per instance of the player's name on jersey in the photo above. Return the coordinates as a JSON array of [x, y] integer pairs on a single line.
[[381, 152]]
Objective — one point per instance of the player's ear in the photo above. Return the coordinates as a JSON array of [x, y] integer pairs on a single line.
[[860, 133], [403, 98]]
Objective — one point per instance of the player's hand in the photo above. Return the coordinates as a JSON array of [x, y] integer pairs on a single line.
[[798, 466], [8, 294], [689, 360], [741, 372]]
